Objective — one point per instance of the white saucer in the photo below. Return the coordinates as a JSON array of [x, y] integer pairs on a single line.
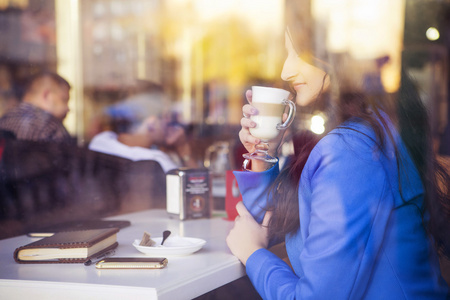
[[173, 246]]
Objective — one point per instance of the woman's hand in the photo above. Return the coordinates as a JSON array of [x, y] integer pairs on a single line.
[[250, 142], [247, 139], [247, 235]]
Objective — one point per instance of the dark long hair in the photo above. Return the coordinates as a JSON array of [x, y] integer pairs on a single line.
[[412, 118], [415, 131]]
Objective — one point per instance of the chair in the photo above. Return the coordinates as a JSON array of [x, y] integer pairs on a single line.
[[45, 183], [6, 193]]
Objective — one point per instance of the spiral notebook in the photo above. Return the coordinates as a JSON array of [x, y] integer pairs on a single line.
[[68, 246]]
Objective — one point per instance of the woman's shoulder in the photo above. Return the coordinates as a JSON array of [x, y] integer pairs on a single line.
[[350, 135], [356, 128], [353, 142]]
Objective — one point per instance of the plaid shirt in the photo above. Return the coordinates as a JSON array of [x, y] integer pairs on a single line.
[[29, 122]]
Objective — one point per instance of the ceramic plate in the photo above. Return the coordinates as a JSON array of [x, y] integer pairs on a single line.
[[175, 246]]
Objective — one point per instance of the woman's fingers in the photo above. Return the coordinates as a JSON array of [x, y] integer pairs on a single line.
[[247, 123], [267, 218], [246, 138], [248, 95], [242, 210], [248, 111]]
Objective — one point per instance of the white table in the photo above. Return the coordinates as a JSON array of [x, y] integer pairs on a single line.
[[184, 277]]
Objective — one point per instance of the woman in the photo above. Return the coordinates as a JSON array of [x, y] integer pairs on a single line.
[[357, 212]]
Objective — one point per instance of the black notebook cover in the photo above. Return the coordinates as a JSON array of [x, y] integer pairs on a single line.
[[70, 240], [79, 225]]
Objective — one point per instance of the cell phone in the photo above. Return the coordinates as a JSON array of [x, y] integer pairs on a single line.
[[132, 263]]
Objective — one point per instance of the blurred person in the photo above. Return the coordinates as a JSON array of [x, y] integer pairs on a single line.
[[360, 210], [40, 114], [153, 138], [8, 97], [144, 98]]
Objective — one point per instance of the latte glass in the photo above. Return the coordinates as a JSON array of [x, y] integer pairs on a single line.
[[271, 104]]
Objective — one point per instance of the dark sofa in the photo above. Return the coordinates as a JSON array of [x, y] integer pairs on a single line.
[[43, 184]]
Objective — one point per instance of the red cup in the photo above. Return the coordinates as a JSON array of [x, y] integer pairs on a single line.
[[232, 196]]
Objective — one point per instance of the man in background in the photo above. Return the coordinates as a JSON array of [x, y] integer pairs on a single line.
[[153, 138], [144, 127], [43, 108]]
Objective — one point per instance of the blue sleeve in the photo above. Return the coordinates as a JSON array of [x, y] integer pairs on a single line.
[[254, 188], [344, 203]]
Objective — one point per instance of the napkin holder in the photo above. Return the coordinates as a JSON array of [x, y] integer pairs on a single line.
[[188, 193]]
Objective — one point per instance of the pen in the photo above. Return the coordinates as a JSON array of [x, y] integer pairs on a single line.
[[99, 258]]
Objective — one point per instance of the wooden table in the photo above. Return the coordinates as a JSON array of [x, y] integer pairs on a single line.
[[184, 277]]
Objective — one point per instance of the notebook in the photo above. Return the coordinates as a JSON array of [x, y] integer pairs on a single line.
[[68, 246]]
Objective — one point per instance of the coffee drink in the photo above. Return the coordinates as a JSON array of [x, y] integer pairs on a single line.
[[268, 117], [270, 103]]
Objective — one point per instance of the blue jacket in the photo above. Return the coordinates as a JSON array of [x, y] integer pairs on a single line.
[[357, 237]]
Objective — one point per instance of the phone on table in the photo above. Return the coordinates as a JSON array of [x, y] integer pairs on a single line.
[[132, 263]]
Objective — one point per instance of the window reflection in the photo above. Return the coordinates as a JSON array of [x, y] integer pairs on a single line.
[[204, 54]]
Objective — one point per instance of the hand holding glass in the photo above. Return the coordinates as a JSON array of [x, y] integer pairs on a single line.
[[271, 104]]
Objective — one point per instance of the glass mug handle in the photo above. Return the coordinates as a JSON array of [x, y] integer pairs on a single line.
[[291, 115]]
